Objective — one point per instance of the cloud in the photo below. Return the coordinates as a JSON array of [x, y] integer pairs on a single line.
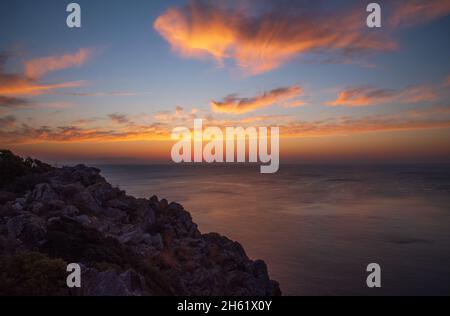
[[294, 104], [435, 117], [119, 118], [15, 86], [25, 134], [179, 115], [413, 12], [236, 105], [7, 121], [85, 121], [36, 68], [29, 88], [322, 129], [104, 94], [10, 102], [262, 40], [367, 96]]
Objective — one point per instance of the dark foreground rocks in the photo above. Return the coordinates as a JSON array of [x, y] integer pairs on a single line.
[[50, 217]]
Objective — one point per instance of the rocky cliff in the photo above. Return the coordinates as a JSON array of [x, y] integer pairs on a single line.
[[50, 217]]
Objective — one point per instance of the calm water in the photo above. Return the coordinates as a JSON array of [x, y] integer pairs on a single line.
[[318, 227]]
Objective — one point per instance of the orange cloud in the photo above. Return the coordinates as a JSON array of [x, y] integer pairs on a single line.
[[433, 118], [8, 121], [260, 43], [119, 118], [179, 115], [30, 88], [13, 86], [364, 125], [30, 135], [367, 96], [411, 12], [38, 67], [235, 105]]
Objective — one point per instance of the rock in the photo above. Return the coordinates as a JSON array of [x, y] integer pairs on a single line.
[[134, 282], [157, 241], [133, 237], [6, 196], [163, 204], [83, 220], [147, 239], [86, 203], [28, 228], [15, 226], [115, 214], [104, 192], [124, 203], [70, 211], [37, 208], [43, 193], [17, 206], [56, 204], [110, 283], [86, 175], [67, 191]]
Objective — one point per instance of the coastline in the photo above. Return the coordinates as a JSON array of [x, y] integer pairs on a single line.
[[51, 217]]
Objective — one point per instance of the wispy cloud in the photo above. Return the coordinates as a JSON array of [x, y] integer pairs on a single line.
[[36, 68], [13, 132], [259, 39], [412, 12], [25, 134], [105, 94], [367, 96], [178, 115], [7, 121], [119, 118], [15, 86], [29, 88], [361, 125], [11, 102], [237, 105], [262, 42]]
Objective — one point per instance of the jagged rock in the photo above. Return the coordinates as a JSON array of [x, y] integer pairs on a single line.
[[133, 237], [70, 211], [86, 203], [83, 220], [115, 213], [110, 283], [43, 192], [6, 196], [15, 226], [68, 190], [37, 208], [163, 204], [157, 241], [126, 245], [104, 192], [56, 205], [27, 227]]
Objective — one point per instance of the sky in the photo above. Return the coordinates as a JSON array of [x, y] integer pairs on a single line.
[[113, 90]]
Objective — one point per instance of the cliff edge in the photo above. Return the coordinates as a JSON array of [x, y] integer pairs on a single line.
[[50, 217]]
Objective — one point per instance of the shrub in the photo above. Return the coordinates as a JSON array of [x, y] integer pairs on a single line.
[[32, 274], [13, 168]]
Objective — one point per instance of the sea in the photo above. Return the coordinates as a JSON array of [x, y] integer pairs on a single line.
[[318, 227]]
